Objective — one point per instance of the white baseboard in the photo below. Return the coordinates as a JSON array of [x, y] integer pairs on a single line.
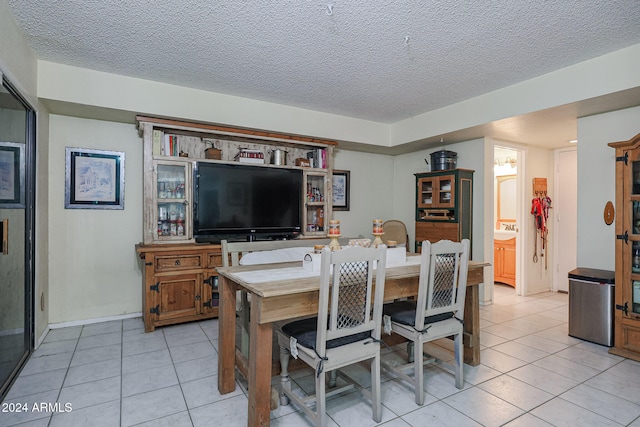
[[12, 332], [92, 321]]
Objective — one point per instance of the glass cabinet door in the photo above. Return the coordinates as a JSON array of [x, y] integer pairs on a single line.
[[634, 244], [445, 191], [315, 204], [426, 189], [172, 201]]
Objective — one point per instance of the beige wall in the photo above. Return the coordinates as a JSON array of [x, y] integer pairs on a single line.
[[596, 183], [94, 270]]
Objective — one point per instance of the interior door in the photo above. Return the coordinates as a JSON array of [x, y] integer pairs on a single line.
[[17, 122], [566, 213]]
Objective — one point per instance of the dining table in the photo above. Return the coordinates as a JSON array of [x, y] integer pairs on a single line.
[[284, 291]]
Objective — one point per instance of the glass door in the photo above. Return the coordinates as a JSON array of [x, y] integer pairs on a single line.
[[17, 126]]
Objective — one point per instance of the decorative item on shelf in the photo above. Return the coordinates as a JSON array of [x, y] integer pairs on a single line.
[[334, 234], [305, 163], [377, 232], [212, 152], [246, 155], [392, 243]]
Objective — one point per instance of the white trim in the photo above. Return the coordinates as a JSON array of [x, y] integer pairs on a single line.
[[12, 332], [95, 320], [40, 340]]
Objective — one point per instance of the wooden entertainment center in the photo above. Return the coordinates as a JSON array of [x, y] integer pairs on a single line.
[[180, 281]]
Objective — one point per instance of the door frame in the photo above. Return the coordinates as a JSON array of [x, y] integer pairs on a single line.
[[521, 235]]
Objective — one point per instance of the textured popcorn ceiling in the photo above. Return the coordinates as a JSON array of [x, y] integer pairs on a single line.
[[377, 60]]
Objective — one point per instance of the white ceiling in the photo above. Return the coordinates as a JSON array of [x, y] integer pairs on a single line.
[[380, 61]]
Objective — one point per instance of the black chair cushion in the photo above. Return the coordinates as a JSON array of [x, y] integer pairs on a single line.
[[305, 332], [404, 312]]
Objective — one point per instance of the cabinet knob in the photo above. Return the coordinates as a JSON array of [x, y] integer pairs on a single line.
[[197, 297], [177, 262], [186, 202]]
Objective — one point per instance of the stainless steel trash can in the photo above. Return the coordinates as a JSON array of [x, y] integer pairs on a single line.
[[591, 305]]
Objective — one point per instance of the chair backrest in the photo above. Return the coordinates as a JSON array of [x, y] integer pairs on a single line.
[[232, 252], [347, 305], [396, 230], [443, 280]]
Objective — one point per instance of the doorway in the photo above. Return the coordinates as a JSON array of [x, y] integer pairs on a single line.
[[507, 222], [17, 160]]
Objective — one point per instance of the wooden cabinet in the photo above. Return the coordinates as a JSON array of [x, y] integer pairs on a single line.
[[180, 283], [504, 258], [172, 148], [444, 206], [627, 279]]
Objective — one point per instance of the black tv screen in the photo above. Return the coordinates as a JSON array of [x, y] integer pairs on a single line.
[[243, 202]]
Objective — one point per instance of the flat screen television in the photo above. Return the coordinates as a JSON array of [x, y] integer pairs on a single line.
[[243, 202]]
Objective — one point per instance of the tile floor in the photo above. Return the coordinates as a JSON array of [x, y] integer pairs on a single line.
[[532, 374]]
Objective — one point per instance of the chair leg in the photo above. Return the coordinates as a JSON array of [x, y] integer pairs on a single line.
[[333, 378], [321, 407], [418, 364], [285, 382], [458, 355], [376, 407], [410, 346]]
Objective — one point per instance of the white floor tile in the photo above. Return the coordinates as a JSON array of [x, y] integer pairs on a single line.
[[438, 414], [101, 415], [516, 392], [151, 405], [93, 393], [483, 407], [559, 412], [608, 405], [152, 378], [230, 412], [169, 378]]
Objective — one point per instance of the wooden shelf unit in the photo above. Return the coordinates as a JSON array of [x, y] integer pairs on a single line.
[[168, 169], [180, 281]]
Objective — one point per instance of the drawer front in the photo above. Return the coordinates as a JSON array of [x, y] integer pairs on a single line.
[[436, 231], [214, 259], [178, 262]]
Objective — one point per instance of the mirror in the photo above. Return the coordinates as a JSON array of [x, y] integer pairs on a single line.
[[506, 200]]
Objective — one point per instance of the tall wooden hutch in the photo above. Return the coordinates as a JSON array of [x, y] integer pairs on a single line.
[[444, 208], [627, 286]]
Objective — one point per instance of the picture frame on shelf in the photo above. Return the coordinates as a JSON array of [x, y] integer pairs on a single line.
[[12, 172], [94, 179], [340, 190]]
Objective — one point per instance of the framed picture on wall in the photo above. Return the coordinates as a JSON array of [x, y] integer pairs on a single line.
[[12, 175], [94, 179], [340, 190]]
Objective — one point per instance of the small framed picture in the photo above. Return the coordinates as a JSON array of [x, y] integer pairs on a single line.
[[12, 163], [94, 179], [340, 190]]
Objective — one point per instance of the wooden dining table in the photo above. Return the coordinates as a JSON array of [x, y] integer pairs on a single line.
[[283, 299]]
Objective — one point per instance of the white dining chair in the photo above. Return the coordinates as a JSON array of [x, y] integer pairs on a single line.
[[346, 331], [436, 313]]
